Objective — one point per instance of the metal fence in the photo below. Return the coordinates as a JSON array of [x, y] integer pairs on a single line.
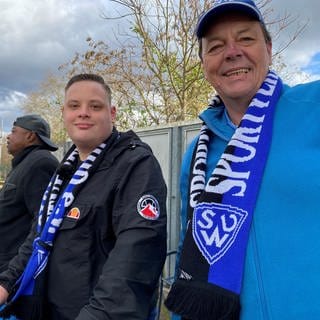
[[168, 144]]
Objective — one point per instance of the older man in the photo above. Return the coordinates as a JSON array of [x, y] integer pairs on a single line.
[[250, 182]]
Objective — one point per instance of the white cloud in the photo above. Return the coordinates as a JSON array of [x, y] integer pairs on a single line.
[[9, 107], [39, 35], [301, 51]]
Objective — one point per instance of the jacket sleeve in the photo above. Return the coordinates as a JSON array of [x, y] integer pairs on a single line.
[[17, 264], [184, 190], [40, 169], [131, 273], [36, 181]]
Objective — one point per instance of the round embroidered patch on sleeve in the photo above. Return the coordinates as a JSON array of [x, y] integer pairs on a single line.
[[148, 207]]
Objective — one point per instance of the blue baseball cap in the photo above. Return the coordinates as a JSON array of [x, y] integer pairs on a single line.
[[222, 6]]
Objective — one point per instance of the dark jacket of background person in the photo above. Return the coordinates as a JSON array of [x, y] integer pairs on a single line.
[[20, 197], [106, 254]]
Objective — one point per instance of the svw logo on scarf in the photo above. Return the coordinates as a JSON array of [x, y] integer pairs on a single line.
[[215, 228], [220, 213]]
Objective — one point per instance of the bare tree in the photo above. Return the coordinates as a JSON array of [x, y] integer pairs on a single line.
[[155, 72], [48, 102]]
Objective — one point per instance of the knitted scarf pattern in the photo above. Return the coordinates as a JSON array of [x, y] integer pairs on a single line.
[[220, 212]]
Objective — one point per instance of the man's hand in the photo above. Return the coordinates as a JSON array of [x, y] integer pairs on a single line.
[[3, 295]]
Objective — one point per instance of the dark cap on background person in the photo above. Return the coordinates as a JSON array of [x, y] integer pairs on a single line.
[[36, 124], [222, 6]]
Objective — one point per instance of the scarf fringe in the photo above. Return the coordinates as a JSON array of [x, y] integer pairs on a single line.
[[202, 301]]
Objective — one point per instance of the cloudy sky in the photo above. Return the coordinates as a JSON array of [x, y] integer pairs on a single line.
[[37, 36]]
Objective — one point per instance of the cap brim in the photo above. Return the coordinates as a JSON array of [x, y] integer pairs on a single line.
[[51, 146]]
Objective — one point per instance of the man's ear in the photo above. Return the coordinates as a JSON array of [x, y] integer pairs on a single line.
[[32, 137], [113, 114]]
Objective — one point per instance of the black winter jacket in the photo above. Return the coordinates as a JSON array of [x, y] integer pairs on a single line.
[[20, 198], [107, 258]]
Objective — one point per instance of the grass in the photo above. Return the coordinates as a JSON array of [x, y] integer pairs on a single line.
[[164, 313]]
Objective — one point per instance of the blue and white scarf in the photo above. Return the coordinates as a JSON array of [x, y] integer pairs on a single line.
[[54, 206], [56, 209], [220, 213]]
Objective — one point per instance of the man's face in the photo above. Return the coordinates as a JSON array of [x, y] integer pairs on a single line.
[[235, 57], [87, 115], [18, 139]]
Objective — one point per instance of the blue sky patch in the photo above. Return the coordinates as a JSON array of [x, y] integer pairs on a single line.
[[313, 66]]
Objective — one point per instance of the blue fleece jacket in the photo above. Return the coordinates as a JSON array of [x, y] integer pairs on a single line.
[[281, 277]]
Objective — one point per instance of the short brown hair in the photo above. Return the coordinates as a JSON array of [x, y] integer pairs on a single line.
[[89, 77]]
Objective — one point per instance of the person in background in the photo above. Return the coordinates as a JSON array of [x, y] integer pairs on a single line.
[[100, 244], [33, 164], [249, 182]]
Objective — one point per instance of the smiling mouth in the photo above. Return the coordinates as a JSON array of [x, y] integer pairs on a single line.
[[83, 125], [237, 72]]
